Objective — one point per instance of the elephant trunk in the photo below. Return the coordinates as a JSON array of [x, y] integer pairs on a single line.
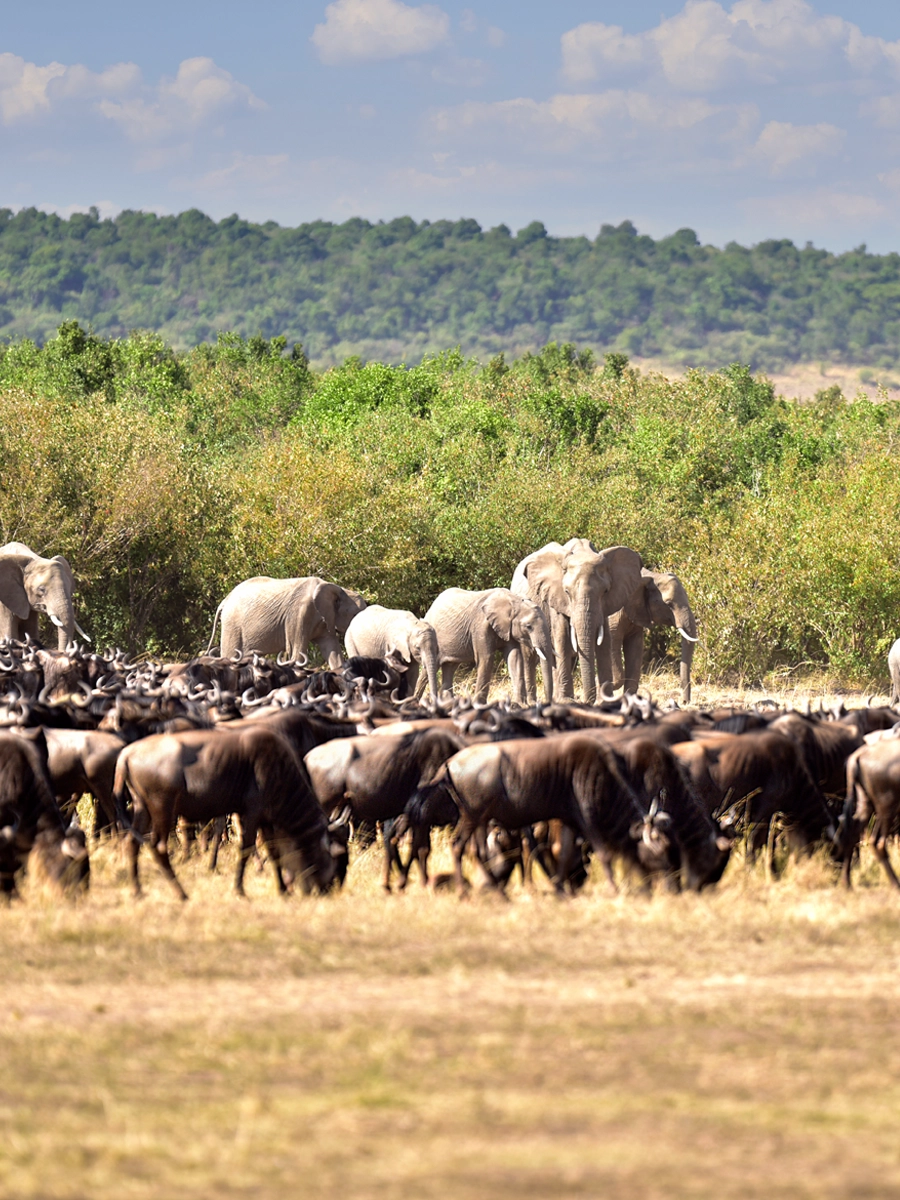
[[686, 625], [60, 611], [583, 640], [428, 658]]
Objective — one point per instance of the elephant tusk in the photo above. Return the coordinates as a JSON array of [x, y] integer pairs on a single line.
[[574, 639], [600, 635], [687, 637], [541, 655], [81, 631], [56, 621]]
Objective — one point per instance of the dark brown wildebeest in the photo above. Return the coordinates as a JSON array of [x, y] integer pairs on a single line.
[[28, 811], [250, 771], [656, 774], [575, 779], [377, 777], [873, 790], [765, 773], [825, 745]]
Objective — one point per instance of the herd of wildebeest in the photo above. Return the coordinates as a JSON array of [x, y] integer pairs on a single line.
[[305, 765]]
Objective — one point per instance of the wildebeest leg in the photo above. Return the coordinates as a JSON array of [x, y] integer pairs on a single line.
[[249, 827], [461, 836], [139, 826], [220, 828], [564, 853], [187, 831], [879, 845], [159, 846], [391, 832], [271, 843], [605, 859]]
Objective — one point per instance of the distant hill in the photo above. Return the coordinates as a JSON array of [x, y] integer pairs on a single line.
[[398, 290]]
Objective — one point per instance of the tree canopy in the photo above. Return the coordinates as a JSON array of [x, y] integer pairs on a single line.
[[399, 290]]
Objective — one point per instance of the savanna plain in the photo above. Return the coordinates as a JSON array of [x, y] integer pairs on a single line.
[[739, 1042]]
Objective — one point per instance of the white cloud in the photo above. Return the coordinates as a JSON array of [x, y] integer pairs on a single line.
[[784, 146], [24, 87], [356, 30], [468, 22], [199, 92], [817, 211], [707, 47], [565, 121], [496, 37]]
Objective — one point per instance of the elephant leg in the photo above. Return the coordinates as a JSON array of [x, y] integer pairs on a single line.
[[633, 651], [516, 664], [448, 670], [563, 685], [412, 678], [484, 669], [330, 649]]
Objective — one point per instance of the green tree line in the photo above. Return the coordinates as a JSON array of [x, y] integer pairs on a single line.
[[401, 290], [166, 477]]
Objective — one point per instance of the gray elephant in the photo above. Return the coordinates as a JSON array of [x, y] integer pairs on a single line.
[[383, 632], [660, 600], [578, 587], [894, 668], [30, 585], [274, 616], [472, 626]]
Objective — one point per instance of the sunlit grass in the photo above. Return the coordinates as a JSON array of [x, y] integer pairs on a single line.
[[735, 1043]]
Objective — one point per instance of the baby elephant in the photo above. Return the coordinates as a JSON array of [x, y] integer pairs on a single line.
[[380, 632]]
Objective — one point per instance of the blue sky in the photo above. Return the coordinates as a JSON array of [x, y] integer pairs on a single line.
[[744, 120]]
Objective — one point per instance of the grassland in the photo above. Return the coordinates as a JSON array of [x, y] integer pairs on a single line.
[[738, 1043]]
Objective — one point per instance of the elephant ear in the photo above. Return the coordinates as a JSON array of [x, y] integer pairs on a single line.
[[637, 610], [349, 604], [500, 609], [12, 590], [400, 648], [621, 569], [544, 575]]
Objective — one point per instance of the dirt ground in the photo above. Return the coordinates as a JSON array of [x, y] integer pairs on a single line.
[[803, 380]]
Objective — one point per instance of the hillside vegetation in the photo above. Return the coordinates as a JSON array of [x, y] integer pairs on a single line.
[[166, 478], [399, 290]]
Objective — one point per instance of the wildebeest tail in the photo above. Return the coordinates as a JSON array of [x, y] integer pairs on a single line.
[[121, 794]]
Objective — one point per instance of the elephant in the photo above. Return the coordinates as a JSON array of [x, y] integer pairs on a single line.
[[473, 626], [577, 588], [894, 668], [30, 585], [273, 616], [660, 600], [382, 632]]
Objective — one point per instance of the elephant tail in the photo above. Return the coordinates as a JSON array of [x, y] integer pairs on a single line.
[[215, 623]]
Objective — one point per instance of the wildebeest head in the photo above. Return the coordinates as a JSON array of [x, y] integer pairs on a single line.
[[657, 849]]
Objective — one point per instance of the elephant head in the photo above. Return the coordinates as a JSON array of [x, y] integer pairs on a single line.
[[30, 584], [662, 600], [515, 619], [337, 607], [419, 643]]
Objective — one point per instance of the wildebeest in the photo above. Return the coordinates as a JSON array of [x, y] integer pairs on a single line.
[[764, 773], [575, 779], [873, 790], [250, 771], [377, 777], [28, 811]]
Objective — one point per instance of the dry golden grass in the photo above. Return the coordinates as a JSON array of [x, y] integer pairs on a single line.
[[738, 1043]]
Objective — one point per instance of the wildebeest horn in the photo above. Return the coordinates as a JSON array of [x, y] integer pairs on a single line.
[[8, 832], [282, 662], [85, 694], [603, 686], [44, 693], [237, 655], [654, 808]]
